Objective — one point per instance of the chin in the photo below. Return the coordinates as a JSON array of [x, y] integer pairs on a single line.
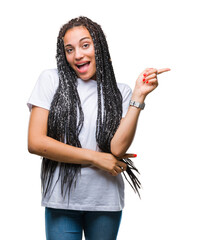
[[86, 78]]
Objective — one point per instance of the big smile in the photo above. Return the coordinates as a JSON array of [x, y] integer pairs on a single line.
[[82, 67]]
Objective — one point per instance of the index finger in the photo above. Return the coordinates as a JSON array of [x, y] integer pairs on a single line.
[[128, 155], [163, 70]]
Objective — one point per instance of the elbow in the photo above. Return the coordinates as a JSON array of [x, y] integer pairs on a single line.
[[118, 152], [120, 149], [34, 147]]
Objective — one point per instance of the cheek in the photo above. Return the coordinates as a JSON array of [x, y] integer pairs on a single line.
[[69, 59], [91, 52], [94, 63]]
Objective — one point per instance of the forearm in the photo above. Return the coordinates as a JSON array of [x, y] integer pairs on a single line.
[[127, 128], [39, 143], [125, 132], [50, 148], [146, 83], [57, 151]]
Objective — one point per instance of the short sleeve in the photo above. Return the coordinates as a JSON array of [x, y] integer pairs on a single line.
[[126, 97], [44, 90]]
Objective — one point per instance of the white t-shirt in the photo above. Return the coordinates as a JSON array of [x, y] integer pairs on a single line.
[[96, 190]]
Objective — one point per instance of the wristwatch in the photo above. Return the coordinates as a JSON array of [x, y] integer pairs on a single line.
[[137, 104]]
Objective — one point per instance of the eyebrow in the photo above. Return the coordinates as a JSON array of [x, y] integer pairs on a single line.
[[68, 45]]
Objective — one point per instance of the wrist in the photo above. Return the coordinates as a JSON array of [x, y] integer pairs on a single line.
[[138, 97], [90, 156], [96, 157], [137, 104]]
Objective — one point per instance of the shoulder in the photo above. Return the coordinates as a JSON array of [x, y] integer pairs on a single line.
[[49, 75], [50, 72], [44, 89], [124, 89], [48, 81]]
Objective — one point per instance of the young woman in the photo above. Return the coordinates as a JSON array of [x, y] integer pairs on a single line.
[[82, 123]]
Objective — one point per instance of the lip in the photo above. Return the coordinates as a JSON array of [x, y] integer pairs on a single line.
[[80, 63], [82, 70]]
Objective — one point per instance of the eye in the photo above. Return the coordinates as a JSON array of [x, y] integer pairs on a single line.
[[86, 45], [68, 50]]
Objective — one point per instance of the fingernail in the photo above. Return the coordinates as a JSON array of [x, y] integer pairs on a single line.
[[146, 81], [134, 155], [144, 74]]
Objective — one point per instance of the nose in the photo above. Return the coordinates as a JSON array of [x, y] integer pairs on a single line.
[[78, 54]]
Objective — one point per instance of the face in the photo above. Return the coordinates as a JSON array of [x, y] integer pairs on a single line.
[[80, 53]]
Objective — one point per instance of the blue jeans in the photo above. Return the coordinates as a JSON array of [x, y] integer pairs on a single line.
[[69, 224]]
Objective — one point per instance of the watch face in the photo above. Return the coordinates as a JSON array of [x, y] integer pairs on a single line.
[[137, 104]]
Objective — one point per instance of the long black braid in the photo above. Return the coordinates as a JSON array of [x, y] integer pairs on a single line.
[[66, 108]]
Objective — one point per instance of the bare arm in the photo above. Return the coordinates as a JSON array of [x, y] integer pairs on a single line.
[[146, 83], [39, 143], [125, 132]]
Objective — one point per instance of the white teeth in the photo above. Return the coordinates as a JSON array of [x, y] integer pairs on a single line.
[[82, 64]]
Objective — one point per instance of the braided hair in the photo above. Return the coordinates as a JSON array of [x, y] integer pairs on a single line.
[[66, 117]]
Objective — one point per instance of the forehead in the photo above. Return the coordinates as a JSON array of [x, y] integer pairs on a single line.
[[75, 34]]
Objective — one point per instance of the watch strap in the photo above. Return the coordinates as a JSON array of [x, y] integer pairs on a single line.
[[137, 104]]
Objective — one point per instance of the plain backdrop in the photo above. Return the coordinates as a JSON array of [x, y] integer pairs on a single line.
[[140, 34]]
